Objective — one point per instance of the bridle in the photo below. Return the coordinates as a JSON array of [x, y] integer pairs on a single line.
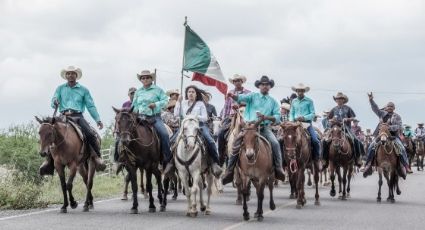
[[293, 165], [132, 128], [52, 128], [339, 142]]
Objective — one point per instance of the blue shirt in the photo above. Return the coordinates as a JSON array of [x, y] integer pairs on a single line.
[[145, 96], [76, 98], [257, 102], [302, 108]]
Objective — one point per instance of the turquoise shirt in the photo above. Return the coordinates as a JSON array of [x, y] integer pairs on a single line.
[[302, 108], [408, 133], [143, 97], [76, 98], [257, 102]]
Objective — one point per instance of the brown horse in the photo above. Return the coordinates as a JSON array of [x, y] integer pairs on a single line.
[[256, 165], [387, 162], [420, 154], [59, 139], [297, 151], [340, 156], [408, 145], [141, 150]]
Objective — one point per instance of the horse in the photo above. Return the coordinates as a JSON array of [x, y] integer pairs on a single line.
[[367, 141], [61, 140], [215, 126], [141, 149], [127, 182], [420, 153], [192, 165], [297, 148], [408, 145], [341, 155], [256, 165], [387, 162]]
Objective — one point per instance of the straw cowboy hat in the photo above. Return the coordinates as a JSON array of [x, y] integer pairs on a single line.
[[71, 69], [237, 77], [172, 91], [146, 73], [171, 103], [132, 90], [340, 95], [266, 80], [285, 106], [300, 86], [325, 113]]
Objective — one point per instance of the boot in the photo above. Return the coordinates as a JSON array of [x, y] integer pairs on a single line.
[[217, 171], [279, 174], [367, 170], [402, 171], [169, 169], [228, 175], [100, 165], [47, 168], [408, 169], [120, 167]]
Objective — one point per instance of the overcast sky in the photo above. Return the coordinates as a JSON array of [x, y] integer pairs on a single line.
[[349, 46]]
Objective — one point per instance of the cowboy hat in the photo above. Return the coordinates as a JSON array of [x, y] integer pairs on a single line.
[[266, 80], [408, 126], [326, 112], [236, 77], [300, 86], [355, 120], [421, 124], [172, 91], [285, 106], [146, 73], [132, 90], [71, 69], [171, 103], [340, 95]]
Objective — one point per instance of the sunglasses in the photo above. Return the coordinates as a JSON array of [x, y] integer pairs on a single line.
[[237, 80], [145, 78]]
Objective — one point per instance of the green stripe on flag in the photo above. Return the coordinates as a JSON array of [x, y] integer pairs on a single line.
[[197, 55]]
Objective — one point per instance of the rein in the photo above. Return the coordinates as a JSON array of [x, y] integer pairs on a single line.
[[132, 129], [55, 135], [339, 147]]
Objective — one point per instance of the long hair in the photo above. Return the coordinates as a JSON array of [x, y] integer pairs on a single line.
[[200, 93]]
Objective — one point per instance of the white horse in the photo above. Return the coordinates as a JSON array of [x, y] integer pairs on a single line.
[[191, 163]]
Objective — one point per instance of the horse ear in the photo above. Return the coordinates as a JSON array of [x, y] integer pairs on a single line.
[[38, 120], [115, 109]]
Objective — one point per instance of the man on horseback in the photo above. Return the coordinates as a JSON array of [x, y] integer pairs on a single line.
[[387, 115], [148, 102], [302, 110], [228, 111], [356, 129], [344, 114], [72, 99], [258, 106], [420, 132]]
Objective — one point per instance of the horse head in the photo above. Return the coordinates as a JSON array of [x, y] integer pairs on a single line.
[[189, 131], [47, 133], [125, 124], [250, 138], [337, 133], [290, 136], [384, 132], [216, 125]]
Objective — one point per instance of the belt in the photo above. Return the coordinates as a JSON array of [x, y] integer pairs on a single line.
[[69, 112]]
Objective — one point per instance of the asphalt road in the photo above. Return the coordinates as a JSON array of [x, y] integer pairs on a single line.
[[361, 211]]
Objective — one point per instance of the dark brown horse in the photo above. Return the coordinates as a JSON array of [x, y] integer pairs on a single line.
[[141, 149], [340, 156], [59, 139], [408, 145], [297, 149], [387, 162], [256, 165], [420, 154]]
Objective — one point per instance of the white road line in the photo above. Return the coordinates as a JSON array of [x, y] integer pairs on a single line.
[[49, 210], [233, 226]]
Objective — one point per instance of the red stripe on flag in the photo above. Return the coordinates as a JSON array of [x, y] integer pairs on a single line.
[[222, 87]]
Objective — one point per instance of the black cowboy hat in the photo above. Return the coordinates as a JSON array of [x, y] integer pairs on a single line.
[[264, 79]]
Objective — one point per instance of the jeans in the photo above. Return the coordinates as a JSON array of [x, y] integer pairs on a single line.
[[89, 134], [403, 158], [221, 140], [267, 133], [164, 138], [315, 142]]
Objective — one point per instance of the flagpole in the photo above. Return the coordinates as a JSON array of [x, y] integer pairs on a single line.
[[182, 75]]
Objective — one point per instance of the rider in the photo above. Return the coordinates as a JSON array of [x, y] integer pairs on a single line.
[[168, 117], [325, 120], [302, 110], [258, 106], [394, 120], [195, 105], [420, 132], [149, 101], [343, 113], [72, 99], [356, 129], [229, 111], [408, 132]]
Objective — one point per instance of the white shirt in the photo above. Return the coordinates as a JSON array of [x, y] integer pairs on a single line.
[[199, 110]]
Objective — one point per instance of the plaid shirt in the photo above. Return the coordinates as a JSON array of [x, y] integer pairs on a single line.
[[227, 109]]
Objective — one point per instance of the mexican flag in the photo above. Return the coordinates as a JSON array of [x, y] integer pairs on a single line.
[[199, 59]]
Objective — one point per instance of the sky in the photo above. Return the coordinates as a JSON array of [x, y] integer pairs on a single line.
[[350, 46]]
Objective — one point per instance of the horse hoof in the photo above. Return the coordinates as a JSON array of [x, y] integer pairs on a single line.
[[309, 184], [292, 196], [162, 209], [260, 218], [221, 191], [174, 198], [91, 206], [317, 203], [378, 199], [392, 201], [152, 210], [74, 205], [85, 208], [193, 214], [246, 217], [124, 198], [333, 193], [348, 195], [299, 206], [256, 215], [272, 206], [134, 211], [207, 212], [63, 210], [238, 202], [343, 198], [203, 208], [398, 192]]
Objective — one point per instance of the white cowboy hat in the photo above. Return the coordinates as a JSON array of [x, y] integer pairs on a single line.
[[237, 76], [71, 69], [341, 95], [146, 73], [172, 91], [285, 106], [300, 86]]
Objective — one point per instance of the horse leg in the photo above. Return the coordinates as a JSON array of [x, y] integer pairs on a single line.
[[238, 188], [132, 173], [260, 198], [380, 182], [309, 178], [197, 182], [418, 162], [244, 197], [300, 186], [316, 182], [332, 171], [163, 187], [175, 189], [61, 173], [126, 183], [142, 184], [388, 178], [149, 188], [350, 173], [338, 173], [210, 179], [393, 182], [344, 182], [72, 172], [272, 205], [397, 186], [422, 163], [201, 195]]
